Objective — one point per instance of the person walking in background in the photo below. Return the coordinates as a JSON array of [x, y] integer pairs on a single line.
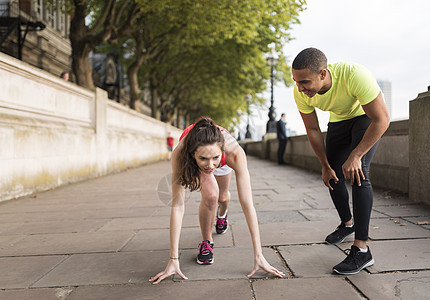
[[358, 119], [204, 160], [281, 132], [170, 140], [65, 76]]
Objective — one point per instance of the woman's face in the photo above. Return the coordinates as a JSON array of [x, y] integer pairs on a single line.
[[208, 157]]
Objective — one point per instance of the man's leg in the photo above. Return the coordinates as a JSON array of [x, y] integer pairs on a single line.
[[362, 196], [359, 256], [338, 149]]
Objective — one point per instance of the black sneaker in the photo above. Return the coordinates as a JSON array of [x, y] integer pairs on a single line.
[[340, 234], [354, 262], [206, 254], [221, 225]]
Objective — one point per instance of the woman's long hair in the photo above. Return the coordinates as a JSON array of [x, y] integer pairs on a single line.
[[204, 132]]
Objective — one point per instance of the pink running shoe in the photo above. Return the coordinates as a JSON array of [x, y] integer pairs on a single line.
[[206, 253], [221, 225]]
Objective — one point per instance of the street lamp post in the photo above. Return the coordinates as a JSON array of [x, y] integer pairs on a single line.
[[248, 99], [271, 124]]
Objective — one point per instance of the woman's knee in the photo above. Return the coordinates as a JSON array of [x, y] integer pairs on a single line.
[[210, 200], [224, 197]]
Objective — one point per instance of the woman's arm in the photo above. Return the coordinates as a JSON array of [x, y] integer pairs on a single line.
[[236, 159], [176, 216]]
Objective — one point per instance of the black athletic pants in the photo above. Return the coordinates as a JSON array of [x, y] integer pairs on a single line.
[[342, 138]]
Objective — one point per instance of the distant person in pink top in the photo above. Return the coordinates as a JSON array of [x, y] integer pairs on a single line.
[[203, 160], [169, 146]]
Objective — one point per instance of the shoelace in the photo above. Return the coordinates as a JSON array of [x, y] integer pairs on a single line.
[[221, 222], [351, 256], [205, 247]]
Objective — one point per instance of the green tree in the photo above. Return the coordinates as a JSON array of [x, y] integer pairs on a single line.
[[110, 20], [211, 63]]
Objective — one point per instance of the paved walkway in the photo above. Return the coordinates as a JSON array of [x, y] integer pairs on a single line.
[[104, 238]]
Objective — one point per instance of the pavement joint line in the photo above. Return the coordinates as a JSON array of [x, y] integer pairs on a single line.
[[127, 242], [284, 262], [356, 288], [300, 213], [49, 271], [414, 271], [232, 236], [251, 286], [399, 239]]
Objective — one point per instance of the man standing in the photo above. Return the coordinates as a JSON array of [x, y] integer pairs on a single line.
[[281, 132], [358, 119]]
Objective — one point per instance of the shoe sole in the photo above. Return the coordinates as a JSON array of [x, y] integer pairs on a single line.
[[368, 264], [340, 241], [205, 262]]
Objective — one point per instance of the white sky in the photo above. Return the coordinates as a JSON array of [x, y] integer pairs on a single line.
[[390, 37]]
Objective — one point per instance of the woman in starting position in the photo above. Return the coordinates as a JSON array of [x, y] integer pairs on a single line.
[[203, 160]]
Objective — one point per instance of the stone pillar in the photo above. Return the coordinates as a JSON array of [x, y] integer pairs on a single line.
[[419, 146], [100, 122]]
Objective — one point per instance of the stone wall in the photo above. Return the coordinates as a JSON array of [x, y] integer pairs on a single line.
[[401, 162], [53, 132], [419, 146]]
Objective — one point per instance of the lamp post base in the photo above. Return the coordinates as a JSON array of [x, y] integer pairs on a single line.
[[271, 126]]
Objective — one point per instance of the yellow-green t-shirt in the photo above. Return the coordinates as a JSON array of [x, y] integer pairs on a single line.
[[352, 86]]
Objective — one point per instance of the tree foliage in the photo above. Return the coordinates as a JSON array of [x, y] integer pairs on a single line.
[[199, 56]]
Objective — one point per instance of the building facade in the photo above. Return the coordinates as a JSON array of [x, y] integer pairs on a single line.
[[37, 33]]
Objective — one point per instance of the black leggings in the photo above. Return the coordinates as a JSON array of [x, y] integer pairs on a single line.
[[342, 138]]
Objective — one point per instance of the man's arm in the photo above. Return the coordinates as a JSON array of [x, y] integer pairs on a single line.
[[317, 142], [377, 112]]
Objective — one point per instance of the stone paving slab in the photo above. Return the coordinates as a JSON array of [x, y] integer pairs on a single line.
[[147, 223], [319, 214], [291, 196], [394, 228], [51, 227], [311, 260], [104, 238], [106, 268], [400, 255], [305, 288], [158, 239], [229, 263], [213, 289], [320, 203], [406, 286], [22, 272], [111, 213], [67, 243], [308, 232], [283, 205], [280, 216], [35, 294], [33, 217], [414, 210]]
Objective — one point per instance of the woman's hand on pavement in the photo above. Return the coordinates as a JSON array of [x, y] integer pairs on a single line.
[[262, 264], [171, 268]]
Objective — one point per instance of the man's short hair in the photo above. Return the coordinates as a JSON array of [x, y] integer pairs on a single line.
[[310, 58]]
